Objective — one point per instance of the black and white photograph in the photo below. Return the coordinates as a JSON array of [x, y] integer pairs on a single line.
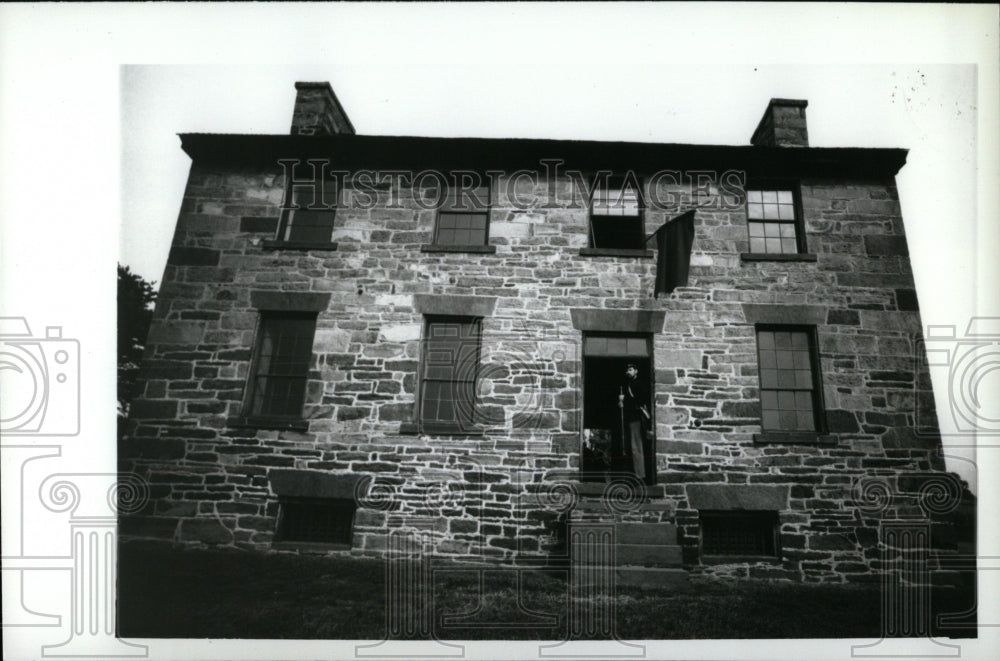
[[499, 330]]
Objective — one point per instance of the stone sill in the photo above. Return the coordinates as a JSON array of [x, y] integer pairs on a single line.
[[261, 422], [310, 547], [591, 489], [468, 248], [811, 438], [274, 244], [616, 252], [414, 429], [732, 559], [774, 257]]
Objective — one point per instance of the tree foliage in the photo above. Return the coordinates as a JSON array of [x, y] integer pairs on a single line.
[[135, 313]]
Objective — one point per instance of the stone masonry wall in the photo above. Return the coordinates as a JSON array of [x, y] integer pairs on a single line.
[[478, 494]]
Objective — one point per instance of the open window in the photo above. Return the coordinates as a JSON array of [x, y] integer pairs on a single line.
[[616, 217], [605, 359], [309, 208], [464, 218]]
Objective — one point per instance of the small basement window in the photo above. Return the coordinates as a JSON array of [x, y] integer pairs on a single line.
[[316, 520], [739, 533]]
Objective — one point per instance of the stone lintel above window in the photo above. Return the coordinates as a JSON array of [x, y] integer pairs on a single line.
[[618, 321], [800, 315], [454, 306], [737, 497], [314, 484], [289, 301]]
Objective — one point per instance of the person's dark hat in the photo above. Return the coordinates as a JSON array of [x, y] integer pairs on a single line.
[[632, 365]]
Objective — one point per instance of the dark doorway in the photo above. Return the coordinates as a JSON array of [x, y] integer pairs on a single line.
[[605, 358]]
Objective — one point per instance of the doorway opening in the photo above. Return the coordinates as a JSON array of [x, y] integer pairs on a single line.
[[606, 445]]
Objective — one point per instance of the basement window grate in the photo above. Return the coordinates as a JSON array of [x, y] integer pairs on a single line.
[[316, 520], [739, 533]]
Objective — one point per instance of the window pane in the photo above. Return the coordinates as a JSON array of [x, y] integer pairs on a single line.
[[789, 246], [770, 420], [786, 212], [770, 210], [769, 196], [803, 379], [785, 197], [786, 400], [755, 210], [756, 229], [786, 360], [771, 230], [757, 245], [753, 196], [765, 339], [772, 245], [769, 399], [787, 230], [769, 378]]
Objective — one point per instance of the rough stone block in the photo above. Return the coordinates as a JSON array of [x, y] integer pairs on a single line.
[[205, 530], [881, 246], [737, 497], [176, 332]]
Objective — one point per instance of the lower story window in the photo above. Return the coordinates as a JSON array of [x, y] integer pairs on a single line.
[[739, 533], [317, 520]]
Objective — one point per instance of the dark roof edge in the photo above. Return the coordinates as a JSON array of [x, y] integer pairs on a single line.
[[414, 150]]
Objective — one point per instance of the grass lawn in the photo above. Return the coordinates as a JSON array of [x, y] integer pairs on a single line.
[[166, 593]]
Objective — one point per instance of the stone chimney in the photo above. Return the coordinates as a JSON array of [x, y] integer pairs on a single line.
[[783, 125], [318, 112]]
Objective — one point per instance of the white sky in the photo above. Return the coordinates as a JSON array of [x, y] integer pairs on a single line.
[[91, 100]]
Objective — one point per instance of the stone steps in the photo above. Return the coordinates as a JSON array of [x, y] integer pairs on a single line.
[[646, 555]]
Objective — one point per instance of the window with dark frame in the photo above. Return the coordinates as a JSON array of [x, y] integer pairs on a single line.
[[790, 388], [616, 217], [281, 365], [774, 220], [449, 369], [739, 533], [464, 218], [316, 520], [308, 210]]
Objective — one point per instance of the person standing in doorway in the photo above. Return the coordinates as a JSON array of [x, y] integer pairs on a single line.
[[636, 417]]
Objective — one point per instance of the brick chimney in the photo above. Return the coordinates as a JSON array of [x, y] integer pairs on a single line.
[[783, 125], [318, 112]]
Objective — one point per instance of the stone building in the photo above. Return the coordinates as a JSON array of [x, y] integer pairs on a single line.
[[359, 334]]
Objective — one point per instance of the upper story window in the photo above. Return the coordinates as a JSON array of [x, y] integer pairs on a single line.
[[449, 369], [616, 217], [790, 388], [464, 218], [308, 210], [774, 220], [280, 366]]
